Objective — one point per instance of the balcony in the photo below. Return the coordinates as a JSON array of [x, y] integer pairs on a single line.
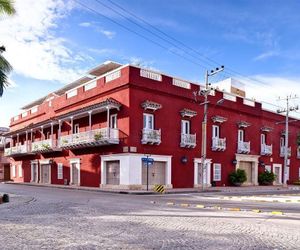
[[45, 146], [18, 150], [218, 144], [92, 138], [282, 151], [188, 141], [151, 136], [266, 149], [243, 147]]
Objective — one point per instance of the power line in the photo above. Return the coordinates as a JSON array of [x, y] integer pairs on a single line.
[[136, 33], [212, 62]]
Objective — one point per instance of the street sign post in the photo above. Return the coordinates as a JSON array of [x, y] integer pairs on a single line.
[[149, 162]]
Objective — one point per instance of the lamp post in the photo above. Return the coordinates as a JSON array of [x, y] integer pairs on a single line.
[[205, 92]]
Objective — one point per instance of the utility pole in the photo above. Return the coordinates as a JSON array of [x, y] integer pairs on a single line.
[[286, 110], [205, 92]]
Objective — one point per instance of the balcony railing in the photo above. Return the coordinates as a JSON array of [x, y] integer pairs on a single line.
[[97, 137], [188, 140], [18, 150], [151, 136], [44, 146], [218, 144], [282, 151], [243, 147], [266, 149]]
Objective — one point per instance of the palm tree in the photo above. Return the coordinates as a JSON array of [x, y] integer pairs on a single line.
[[6, 8]]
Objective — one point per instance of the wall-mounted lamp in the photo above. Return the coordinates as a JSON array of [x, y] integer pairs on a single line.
[[234, 162], [184, 159], [262, 164]]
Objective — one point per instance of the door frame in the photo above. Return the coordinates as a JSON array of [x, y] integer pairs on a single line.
[[280, 171], [254, 165], [76, 161], [198, 161]]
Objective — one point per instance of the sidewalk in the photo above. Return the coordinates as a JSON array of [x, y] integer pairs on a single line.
[[210, 190]]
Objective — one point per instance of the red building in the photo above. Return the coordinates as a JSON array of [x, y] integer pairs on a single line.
[[96, 130]]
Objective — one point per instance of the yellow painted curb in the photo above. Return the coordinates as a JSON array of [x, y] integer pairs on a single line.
[[277, 212], [234, 209], [170, 203], [185, 205], [200, 206], [256, 210]]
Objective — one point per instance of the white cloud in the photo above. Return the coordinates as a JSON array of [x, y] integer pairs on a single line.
[[274, 88], [266, 55], [97, 27], [32, 47]]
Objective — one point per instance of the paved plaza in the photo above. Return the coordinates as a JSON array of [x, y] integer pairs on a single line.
[[51, 218]]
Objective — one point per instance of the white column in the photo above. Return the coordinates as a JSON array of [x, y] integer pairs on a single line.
[[42, 132], [51, 130], [31, 135], [59, 131], [18, 139], [27, 144], [90, 120]]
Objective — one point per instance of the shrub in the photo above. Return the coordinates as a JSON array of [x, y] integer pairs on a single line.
[[266, 178], [237, 177], [98, 136], [296, 182]]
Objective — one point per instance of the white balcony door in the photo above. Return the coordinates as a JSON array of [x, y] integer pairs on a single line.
[[263, 139], [148, 121], [113, 121], [241, 135], [215, 131], [282, 142], [76, 129], [185, 127]]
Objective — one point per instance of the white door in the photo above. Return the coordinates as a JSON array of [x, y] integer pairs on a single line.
[[113, 172], [34, 172], [75, 180], [278, 173], [215, 131], [205, 178], [113, 121], [45, 173], [148, 121], [185, 127]]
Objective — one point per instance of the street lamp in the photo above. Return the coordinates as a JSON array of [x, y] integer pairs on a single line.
[[205, 92]]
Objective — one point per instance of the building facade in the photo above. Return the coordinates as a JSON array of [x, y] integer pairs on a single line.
[[4, 161], [97, 130]]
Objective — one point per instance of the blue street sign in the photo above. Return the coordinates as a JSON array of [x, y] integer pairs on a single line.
[[149, 160]]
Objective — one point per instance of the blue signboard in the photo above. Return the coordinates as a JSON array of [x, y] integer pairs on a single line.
[[148, 161]]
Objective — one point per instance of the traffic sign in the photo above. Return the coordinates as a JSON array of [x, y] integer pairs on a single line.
[[149, 160]]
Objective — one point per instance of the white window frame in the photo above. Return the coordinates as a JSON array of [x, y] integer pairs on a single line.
[[20, 171], [146, 119], [241, 135], [282, 141], [113, 121], [217, 172], [215, 131], [185, 127], [60, 171], [76, 129]]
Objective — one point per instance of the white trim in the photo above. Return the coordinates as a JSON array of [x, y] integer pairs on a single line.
[[13, 171], [198, 161], [253, 159], [34, 162], [76, 161], [20, 171]]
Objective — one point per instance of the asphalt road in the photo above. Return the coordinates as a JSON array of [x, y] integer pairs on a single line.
[[52, 218]]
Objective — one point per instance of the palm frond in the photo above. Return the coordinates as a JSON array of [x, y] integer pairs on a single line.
[[6, 7]]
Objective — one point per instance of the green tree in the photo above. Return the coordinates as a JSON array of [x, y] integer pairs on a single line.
[[6, 8]]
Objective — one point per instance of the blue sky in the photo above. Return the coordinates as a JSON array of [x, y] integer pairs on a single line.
[[52, 42]]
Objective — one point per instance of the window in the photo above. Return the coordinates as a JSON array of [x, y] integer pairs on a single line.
[[282, 142], [148, 121], [263, 139], [241, 135], [215, 131], [71, 93], [76, 129], [13, 171], [185, 127], [217, 171], [268, 168], [20, 170], [59, 171], [113, 121]]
